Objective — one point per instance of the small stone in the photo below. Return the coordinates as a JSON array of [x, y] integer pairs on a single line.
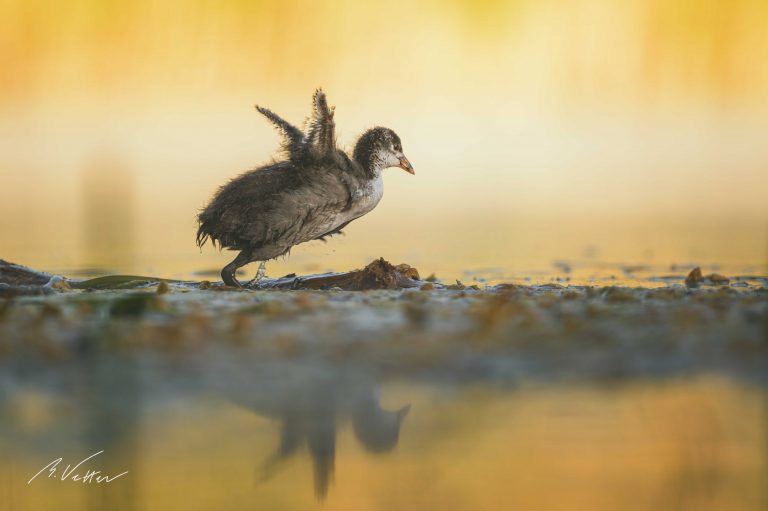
[[163, 288], [718, 280], [694, 278]]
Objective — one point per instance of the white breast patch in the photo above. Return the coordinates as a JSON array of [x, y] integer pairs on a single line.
[[368, 196], [364, 199]]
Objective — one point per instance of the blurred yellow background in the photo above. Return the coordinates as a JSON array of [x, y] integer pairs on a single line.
[[630, 132]]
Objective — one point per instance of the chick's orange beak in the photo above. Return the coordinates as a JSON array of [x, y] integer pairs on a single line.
[[406, 165]]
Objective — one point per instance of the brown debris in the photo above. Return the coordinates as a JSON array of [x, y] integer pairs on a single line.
[[379, 274], [407, 270], [695, 279], [717, 279], [16, 280]]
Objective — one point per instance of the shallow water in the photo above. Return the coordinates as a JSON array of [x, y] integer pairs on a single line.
[[295, 437], [543, 397]]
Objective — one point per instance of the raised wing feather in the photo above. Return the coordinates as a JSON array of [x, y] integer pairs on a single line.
[[293, 138], [321, 128]]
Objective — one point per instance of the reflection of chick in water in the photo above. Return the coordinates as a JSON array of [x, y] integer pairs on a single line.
[[378, 430], [310, 413]]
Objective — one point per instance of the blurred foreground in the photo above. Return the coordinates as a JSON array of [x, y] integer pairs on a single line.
[[541, 397]]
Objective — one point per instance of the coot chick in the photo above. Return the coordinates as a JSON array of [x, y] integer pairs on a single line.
[[312, 193]]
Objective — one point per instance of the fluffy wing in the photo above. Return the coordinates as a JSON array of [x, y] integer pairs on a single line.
[[293, 138], [274, 208], [321, 128]]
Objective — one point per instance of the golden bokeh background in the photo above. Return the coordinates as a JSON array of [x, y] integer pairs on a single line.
[[630, 132]]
